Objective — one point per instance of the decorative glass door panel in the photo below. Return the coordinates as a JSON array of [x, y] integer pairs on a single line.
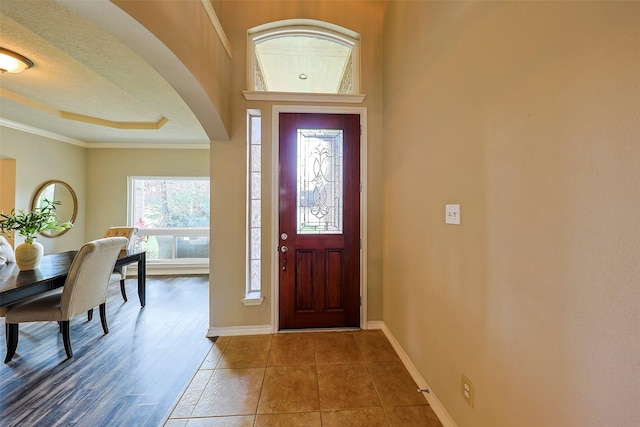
[[319, 181]]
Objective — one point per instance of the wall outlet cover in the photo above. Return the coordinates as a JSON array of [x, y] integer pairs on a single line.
[[452, 214]]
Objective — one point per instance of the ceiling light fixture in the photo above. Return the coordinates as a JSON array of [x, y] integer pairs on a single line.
[[302, 76], [12, 62]]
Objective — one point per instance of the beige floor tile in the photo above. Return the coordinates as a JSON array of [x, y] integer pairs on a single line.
[[394, 384], [375, 346], [231, 392], [292, 349], [249, 351], [244, 421], [414, 416], [336, 347], [366, 417], [354, 378], [214, 355], [303, 419], [192, 394], [346, 386], [223, 341], [289, 389], [177, 423]]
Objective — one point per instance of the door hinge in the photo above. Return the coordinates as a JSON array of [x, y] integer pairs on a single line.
[[360, 301], [361, 186], [360, 243]]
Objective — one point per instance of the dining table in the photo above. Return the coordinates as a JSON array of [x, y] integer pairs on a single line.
[[16, 285]]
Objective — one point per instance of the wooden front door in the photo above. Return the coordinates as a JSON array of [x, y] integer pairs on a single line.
[[319, 222]]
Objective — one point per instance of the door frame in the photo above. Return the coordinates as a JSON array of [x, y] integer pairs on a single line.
[[275, 191]]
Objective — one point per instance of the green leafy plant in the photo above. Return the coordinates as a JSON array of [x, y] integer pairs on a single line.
[[29, 224]]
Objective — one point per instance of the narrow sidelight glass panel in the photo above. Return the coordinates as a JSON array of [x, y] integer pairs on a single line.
[[320, 181], [254, 202]]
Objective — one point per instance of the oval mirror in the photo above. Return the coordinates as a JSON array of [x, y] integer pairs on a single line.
[[62, 192]]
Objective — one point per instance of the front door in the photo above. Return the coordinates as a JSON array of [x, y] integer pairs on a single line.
[[319, 220]]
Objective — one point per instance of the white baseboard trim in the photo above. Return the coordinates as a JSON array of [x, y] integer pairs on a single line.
[[375, 324], [229, 331], [435, 404]]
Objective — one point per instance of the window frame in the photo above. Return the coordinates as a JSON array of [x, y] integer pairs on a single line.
[[252, 296], [174, 232], [304, 27]]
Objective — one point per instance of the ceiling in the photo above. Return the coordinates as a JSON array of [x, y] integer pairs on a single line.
[[87, 86]]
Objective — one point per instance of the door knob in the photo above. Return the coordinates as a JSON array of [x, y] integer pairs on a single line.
[[283, 249]]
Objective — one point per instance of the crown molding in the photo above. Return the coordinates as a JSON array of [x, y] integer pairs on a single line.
[[96, 145]]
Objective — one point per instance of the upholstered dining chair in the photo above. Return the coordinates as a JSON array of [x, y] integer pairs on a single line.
[[6, 256], [120, 273], [85, 288], [6, 251]]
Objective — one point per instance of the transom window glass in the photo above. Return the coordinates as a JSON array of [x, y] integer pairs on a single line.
[[321, 58], [319, 181]]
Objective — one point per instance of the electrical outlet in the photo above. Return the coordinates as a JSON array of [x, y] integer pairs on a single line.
[[466, 387]]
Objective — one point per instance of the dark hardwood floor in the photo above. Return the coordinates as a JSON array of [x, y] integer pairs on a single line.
[[130, 377]]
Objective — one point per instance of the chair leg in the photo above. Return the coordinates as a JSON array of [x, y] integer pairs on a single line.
[[66, 338], [123, 290], [103, 318], [89, 315], [12, 340]]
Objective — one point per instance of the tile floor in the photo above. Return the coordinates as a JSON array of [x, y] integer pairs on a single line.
[[303, 379]]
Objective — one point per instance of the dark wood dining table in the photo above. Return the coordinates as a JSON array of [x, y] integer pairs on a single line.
[[16, 285]]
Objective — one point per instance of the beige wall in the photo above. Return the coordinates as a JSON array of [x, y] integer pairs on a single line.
[[107, 172], [40, 159], [228, 159], [527, 114]]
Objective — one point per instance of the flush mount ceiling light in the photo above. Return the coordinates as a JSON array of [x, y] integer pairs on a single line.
[[12, 62], [302, 76]]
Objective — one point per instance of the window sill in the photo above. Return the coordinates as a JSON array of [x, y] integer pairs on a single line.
[[253, 298], [304, 97]]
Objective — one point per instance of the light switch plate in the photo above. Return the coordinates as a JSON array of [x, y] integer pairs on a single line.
[[452, 214]]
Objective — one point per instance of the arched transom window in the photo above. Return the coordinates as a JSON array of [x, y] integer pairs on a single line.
[[303, 56]]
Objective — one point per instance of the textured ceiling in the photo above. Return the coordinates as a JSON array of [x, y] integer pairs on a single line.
[[85, 84]]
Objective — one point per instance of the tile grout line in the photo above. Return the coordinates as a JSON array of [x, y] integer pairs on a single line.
[[264, 376]]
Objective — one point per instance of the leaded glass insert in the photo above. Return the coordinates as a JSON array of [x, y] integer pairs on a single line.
[[319, 179], [254, 202]]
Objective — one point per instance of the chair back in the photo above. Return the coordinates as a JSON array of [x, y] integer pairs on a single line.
[[88, 278], [6, 251], [128, 232]]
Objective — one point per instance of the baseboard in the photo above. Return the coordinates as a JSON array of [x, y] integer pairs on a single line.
[[435, 404], [375, 324], [239, 330]]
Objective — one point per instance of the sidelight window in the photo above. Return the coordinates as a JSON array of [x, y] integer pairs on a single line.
[[254, 207]]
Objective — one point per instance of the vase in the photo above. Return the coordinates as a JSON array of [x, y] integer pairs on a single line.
[[29, 255]]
